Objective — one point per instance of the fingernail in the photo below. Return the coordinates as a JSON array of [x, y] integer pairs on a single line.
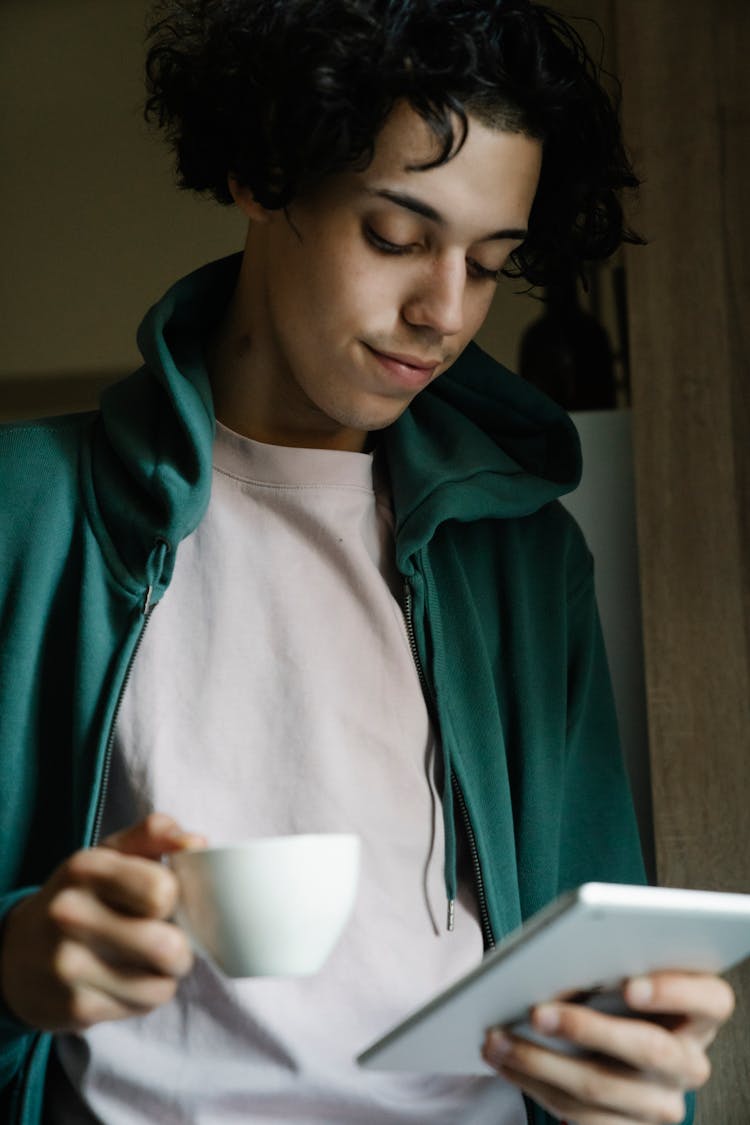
[[173, 831], [183, 840], [498, 1046], [546, 1018], [640, 990]]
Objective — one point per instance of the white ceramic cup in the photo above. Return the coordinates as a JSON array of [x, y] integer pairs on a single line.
[[273, 906]]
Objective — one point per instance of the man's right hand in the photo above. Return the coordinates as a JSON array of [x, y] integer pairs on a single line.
[[93, 943]]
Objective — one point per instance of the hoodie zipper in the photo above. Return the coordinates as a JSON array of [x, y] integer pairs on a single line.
[[488, 936], [145, 616], [146, 612], [148, 608], [484, 917]]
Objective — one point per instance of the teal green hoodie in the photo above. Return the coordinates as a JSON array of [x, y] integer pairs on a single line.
[[498, 590]]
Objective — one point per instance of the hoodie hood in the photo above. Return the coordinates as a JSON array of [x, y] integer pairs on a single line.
[[478, 443], [154, 440]]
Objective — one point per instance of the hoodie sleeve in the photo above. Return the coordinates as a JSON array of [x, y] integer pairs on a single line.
[[599, 816], [16, 1037]]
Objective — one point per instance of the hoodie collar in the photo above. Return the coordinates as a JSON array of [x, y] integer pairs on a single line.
[[153, 444], [478, 443]]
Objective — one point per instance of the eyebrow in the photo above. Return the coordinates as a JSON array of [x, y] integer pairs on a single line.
[[419, 207]]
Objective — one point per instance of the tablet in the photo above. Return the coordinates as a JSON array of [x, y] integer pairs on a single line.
[[584, 944]]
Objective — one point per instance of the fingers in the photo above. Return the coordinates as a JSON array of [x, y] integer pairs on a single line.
[[566, 1109], [703, 1000], [69, 959], [583, 1089], [143, 944], [640, 1044], [127, 883], [94, 942], [122, 870], [89, 990], [153, 836], [629, 1069]]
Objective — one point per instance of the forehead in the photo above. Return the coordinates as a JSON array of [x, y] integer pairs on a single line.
[[491, 180]]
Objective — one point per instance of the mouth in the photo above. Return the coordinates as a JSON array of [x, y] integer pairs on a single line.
[[409, 369]]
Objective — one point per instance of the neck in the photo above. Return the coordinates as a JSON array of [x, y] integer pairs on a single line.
[[255, 393]]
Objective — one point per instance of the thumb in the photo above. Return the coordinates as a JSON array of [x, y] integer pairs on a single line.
[[151, 837]]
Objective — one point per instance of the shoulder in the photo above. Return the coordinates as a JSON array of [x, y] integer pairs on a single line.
[[43, 443], [40, 466], [554, 545]]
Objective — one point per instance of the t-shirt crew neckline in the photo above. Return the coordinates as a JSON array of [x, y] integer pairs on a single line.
[[258, 462]]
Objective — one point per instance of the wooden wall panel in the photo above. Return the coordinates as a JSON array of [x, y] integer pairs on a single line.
[[686, 116]]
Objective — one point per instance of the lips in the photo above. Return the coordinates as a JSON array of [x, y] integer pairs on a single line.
[[406, 371], [410, 360]]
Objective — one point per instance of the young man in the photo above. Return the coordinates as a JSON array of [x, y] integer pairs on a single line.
[[339, 520]]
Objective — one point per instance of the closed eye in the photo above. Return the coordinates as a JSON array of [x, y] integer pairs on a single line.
[[383, 244], [386, 247], [483, 272]]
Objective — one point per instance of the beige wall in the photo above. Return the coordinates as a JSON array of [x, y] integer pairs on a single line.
[[92, 227]]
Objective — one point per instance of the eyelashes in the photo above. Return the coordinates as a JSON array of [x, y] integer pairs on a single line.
[[483, 272], [398, 249], [383, 243]]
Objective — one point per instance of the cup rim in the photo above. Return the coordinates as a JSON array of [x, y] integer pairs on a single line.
[[266, 842]]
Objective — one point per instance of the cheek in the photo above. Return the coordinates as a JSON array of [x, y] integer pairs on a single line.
[[352, 301], [315, 319], [332, 291]]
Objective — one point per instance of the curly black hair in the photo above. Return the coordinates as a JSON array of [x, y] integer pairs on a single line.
[[283, 93]]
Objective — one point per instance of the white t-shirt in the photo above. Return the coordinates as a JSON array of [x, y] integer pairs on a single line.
[[274, 693]]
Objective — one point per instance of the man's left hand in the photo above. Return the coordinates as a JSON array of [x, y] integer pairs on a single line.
[[639, 1070]]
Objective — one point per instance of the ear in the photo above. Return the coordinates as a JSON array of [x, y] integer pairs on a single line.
[[247, 202]]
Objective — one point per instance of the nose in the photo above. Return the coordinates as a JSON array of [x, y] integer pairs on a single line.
[[436, 299]]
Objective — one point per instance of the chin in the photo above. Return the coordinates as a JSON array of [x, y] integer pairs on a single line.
[[383, 424], [381, 419], [365, 412]]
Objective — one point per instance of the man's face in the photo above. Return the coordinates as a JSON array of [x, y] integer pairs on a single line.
[[381, 279]]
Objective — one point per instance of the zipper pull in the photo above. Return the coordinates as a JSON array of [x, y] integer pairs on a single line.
[[155, 570], [451, 914]]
